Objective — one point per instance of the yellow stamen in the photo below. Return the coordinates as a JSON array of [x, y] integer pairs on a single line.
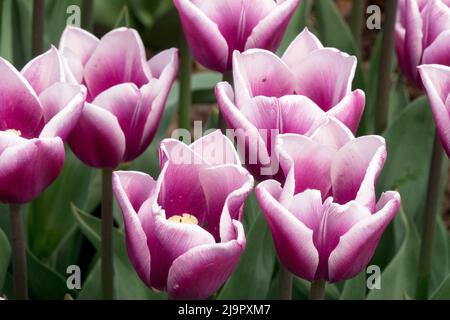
[[185, 218], [13, 131]]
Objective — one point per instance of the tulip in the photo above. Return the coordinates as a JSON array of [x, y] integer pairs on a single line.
[[183, 231], [293, 94], [436, 80], [126, 94], [216, 28], [422, 35], [325, 220]]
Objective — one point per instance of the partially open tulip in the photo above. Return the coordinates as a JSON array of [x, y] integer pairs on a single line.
[[215, 28], [292, 94], [325, 220], [422, 35], [183, 231], [38, 110], [126, 94], [436, 80]]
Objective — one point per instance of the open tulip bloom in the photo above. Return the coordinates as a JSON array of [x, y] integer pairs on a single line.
[[38, 111], [292, 94], [183, 231], [325, 220], [422, 35], [126, 94], [216, 28], [436, 80]]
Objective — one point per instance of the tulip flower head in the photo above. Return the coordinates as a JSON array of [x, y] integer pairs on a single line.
[[126, 94], [292, 94], [183, 231], [216, 28], [38, 111], [436, 80], [422, 35], [325, 220]]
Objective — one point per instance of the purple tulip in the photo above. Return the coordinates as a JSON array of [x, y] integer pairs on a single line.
[[38, 110], [325, 220], [216, 28], [436, 80], [293, 94], [183, 231], [126, 94], [422, 35]]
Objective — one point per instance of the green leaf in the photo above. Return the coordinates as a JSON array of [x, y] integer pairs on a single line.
[[399, 278], [398, 100], [127, 283], [5, 256], [443, 291], [441, 254], [355, 289], [6, 37], [252, 278], [124, 18]]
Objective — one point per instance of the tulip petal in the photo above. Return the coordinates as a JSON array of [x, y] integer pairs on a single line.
[[208, 45], [131, 189], [27, 169], [436, 79], [436, 19], [325, 76], [355, 170], [10, 139], [413, 37], [350, 109], [305, 43], [20, 108], [118, 58], [439, 51], [97, 139], [333, 134], [216, 149], [357, 246], [201, 271], [269, 32]]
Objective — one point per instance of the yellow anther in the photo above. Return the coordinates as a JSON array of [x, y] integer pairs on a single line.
[[185, 218], [13, 131]]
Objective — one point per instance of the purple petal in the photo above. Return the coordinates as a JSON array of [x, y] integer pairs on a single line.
[[436, 19], [333, 134], [305, 43], [350, 109], [357, 246], [201, 271], [439, 51], [413, 38], [97, 139], [216, 149]]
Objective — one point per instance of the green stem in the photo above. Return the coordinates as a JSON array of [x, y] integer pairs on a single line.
[[19, 260], [317, 290], [226, 77], [87, 21], [357, 20], [184, 112], [1, 20], [38, 27], [107, 236], [384, 72], [431, 212], [285, 284]]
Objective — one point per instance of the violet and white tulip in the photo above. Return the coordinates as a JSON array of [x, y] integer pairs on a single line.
[[183, 231], [38, 111], [436, 80], [325, 220], [422, 35], [216, 28], [292, 94], [126, 94]]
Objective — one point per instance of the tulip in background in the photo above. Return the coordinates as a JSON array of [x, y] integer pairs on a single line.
[[325, 220], [216, 28], [422, 35], [183, 231], [293, 94], [38, 111], [436, 80]]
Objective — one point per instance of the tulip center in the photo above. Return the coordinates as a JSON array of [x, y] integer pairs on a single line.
[[13, 131], [184, 218]]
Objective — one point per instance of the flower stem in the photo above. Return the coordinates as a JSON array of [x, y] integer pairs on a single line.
[[226, 77], [184, 112], [87, 21], [285, 284], [356, 21], [317, 290], [431, 212], [107, 236], [38, 27], [19, 253], [384, 72]]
